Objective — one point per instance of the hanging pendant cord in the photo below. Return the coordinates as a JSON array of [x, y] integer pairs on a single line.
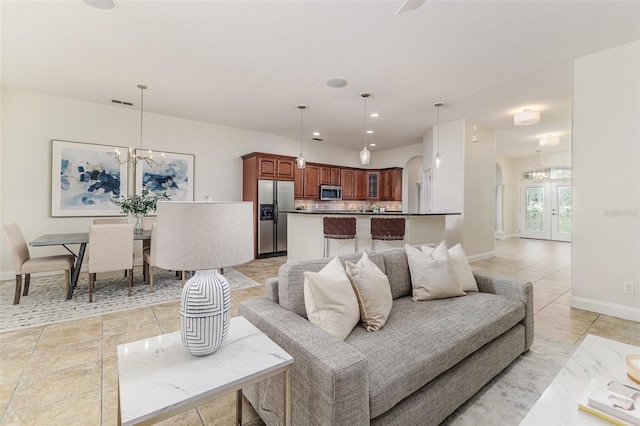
[[364, 123], [301, 111]]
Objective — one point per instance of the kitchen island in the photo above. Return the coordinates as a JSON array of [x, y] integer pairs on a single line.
[[305, 237]]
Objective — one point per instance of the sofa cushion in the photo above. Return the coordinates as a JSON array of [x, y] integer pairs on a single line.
[[371, 287], [291, 279], [397, 270], [330, 300], [462, 268], [432, 273], [405, 355]]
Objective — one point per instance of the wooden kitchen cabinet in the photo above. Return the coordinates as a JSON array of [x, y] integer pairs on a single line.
[[391, 184], [347, 178], [276, 167], [311, 182], [298, 183], [361, 187], [329, 175], [373, 185]]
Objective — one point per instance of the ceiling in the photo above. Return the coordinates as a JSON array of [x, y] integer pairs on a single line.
[[248, 64]]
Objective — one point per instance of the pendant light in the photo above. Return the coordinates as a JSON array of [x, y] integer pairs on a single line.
[[365, 154], [300, 161], [134, 157], [437, 160]]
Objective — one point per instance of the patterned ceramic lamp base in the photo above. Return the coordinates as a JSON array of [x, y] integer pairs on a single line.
[[205, 312]]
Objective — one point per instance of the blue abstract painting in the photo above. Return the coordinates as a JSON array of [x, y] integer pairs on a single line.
[[174, 177], [84, 178]]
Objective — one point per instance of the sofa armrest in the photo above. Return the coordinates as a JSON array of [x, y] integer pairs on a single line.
[[271, 289], [512, 288], [330, 384]]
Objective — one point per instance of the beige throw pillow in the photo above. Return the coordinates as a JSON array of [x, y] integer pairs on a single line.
[[372, 290], [330, 301], [432, 274], [462, 269]]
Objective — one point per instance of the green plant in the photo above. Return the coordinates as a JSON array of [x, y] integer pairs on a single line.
[[139, 205]]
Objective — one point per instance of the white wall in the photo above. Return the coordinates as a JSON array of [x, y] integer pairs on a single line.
[[30, 120], [606, 181], [464, 183], [479, 192]]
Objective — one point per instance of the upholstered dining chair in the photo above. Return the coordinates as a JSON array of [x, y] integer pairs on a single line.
[[110, 249], [147, 224], [149, 258], [110, 220], [24, 264]]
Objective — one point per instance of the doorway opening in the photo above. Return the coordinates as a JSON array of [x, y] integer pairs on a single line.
[[545, 210]]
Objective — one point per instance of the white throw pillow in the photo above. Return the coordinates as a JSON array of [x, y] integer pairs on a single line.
[[372, 290], [462, 269], [330, 300], [432, 274]]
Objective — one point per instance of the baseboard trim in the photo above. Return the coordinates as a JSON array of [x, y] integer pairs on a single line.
[[481, 256], [503, 236], [612, 309]]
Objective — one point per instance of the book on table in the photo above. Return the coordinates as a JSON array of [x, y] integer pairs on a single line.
[[612, 401]]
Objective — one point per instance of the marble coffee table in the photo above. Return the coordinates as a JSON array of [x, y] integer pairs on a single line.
[[596, 356], [159, 379]]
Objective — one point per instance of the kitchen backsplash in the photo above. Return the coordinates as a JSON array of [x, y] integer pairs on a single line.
[[392, 206]]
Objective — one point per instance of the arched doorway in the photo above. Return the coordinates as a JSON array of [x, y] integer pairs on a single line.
[[413, 192]]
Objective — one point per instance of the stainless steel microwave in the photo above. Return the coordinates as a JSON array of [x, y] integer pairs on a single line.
[[330, 192]]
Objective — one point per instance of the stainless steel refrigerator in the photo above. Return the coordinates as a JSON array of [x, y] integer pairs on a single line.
[[274, 196]]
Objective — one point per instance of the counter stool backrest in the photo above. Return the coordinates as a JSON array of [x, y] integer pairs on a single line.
[[387, 229], [338, 228]]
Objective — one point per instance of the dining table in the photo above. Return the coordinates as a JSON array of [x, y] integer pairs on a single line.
[[82, 239]]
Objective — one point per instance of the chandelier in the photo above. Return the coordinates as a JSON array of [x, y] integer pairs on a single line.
[[132, 156], [538, 174]]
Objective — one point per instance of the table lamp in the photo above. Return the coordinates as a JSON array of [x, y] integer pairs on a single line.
[[202, 237]]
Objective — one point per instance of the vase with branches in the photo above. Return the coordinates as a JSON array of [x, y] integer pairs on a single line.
[[139, 205]]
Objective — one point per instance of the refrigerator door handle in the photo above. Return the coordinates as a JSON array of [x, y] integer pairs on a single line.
[[275, 209]]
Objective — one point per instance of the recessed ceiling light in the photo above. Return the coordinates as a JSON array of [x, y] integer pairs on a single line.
[[337, 82], [102, 4], [372, 144], [369, 131], [316, 133], [374, 115]]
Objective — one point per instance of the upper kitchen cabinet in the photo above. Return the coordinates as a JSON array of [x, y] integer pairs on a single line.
[[274, 166], [347, 179], [298, 183], [361, 187], [311, 182], [391, 182], [373, 185], [329, 175]]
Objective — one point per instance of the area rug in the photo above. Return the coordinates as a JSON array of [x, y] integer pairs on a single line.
[[507, 398], [46, 303]]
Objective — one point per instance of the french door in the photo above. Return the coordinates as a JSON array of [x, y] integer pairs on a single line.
[[545, 210]]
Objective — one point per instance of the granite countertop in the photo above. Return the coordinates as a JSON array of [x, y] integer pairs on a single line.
[[368, 212]]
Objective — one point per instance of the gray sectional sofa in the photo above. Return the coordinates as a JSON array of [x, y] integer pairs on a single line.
[[428, 359]]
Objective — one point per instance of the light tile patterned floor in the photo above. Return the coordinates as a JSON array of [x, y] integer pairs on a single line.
[[66, 374]]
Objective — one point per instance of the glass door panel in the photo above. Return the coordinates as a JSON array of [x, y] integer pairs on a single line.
[[561, 212], [535, 211]]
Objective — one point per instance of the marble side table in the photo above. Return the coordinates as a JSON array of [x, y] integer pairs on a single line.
[[159, 379], [595, 357]]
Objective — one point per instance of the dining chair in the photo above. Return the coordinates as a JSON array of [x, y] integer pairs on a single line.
[[110, 249], [149, 258], [24, 264], [147, 223], [110, 220]]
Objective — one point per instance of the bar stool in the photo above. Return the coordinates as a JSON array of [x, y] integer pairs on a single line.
[[338, 228], [386, 229]]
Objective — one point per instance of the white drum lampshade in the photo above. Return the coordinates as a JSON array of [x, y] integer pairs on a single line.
[[202, 237]]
